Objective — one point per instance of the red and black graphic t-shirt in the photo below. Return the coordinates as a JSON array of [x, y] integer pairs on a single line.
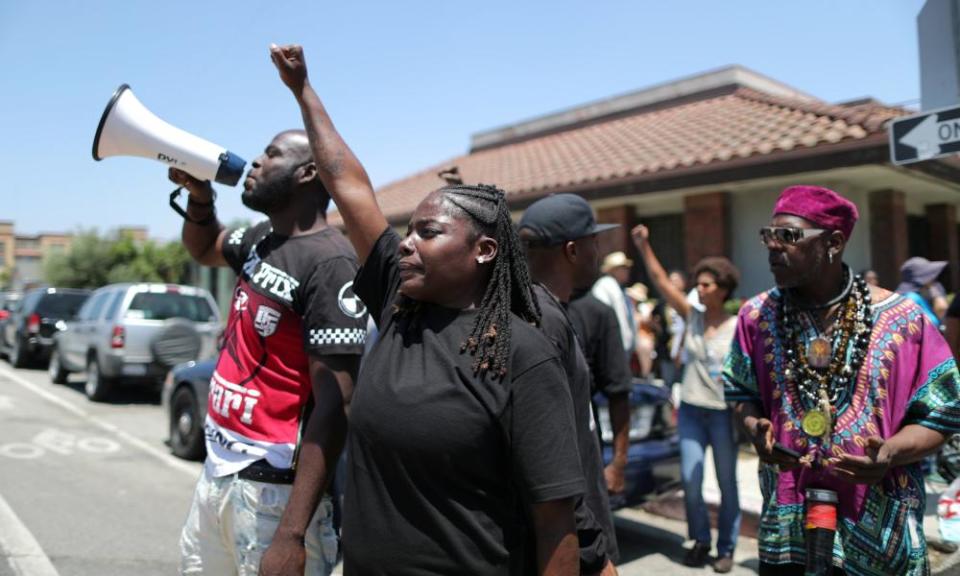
[[294, 297]]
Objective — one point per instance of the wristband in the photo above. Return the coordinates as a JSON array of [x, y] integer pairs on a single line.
[[195, 202], [212, 217]]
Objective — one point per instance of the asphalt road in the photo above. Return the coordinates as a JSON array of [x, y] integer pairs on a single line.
[[86, 488], [90, 489]]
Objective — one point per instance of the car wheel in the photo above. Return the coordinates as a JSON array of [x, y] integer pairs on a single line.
[[18, 358], [186, 425], [97, 388], [58, 375]]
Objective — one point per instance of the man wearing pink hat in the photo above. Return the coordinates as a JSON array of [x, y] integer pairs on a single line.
[[855, 381]]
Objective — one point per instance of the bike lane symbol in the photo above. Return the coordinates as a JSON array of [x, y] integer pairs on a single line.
[[57, 442]]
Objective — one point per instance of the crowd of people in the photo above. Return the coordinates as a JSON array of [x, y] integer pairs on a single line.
[[466, 428]]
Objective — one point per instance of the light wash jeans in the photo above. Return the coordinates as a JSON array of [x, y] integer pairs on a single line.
[[232, 521], [699, 428]]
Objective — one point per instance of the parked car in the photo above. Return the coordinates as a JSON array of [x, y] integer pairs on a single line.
[[653, 459], [32, 322], [185, 398], [8, 303], [133, 334]]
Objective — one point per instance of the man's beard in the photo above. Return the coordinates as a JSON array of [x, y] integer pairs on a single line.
[[269, 197], [803, 277]]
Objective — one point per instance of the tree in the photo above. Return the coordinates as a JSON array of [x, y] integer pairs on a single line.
[[94, 261], [86, 265]]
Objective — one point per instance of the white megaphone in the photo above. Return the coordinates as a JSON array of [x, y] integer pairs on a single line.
[[127, 128]]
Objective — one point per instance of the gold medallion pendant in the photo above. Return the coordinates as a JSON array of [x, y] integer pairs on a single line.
[[819, 352], [814, 423]]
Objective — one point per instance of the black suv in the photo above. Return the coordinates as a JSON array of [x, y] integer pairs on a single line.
[[28, 332]]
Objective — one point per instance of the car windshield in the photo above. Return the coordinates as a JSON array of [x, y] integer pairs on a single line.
[[166, 305], [60, 305]]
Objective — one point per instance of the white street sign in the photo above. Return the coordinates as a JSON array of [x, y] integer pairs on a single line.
[[925, 136]]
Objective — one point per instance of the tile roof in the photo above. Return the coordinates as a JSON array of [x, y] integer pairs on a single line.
[[743, 125]]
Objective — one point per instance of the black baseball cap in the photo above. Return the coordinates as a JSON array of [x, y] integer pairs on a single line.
[[560, 218]]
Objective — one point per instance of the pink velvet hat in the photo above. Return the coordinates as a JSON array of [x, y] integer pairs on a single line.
[[818, 205]]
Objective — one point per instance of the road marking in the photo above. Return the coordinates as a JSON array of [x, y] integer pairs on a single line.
[[22, 550], [128, 438], [59, 442], [98, 445], [21, 451]]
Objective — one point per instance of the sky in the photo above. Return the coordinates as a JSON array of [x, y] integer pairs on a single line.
[[406, 82]]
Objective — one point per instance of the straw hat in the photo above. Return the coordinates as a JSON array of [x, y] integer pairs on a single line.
[[638, 292], [615, 260]]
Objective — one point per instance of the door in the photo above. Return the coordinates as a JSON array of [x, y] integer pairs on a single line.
[[75, 339]]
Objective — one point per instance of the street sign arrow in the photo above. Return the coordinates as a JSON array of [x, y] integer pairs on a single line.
[[925, 136]]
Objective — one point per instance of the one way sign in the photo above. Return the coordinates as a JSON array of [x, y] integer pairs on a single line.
[[925, 136]]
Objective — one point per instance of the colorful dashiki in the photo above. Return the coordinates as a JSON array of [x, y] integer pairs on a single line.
[[908, 377]]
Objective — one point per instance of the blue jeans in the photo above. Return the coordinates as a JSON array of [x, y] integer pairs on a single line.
[[699, 428]]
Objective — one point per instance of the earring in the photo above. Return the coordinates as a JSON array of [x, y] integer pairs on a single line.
[[830, 256], [479, 260]]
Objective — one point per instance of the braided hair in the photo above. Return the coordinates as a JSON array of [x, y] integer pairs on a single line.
[[509, 290]]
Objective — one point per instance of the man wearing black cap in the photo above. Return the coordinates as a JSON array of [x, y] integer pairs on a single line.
[[559, 233]]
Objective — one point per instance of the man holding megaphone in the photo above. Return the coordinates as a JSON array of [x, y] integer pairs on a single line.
[[276, 417]]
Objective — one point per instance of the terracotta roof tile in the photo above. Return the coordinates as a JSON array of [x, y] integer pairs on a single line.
[[709, 132]]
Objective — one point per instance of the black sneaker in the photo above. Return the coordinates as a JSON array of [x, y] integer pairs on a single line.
[[697, 556]]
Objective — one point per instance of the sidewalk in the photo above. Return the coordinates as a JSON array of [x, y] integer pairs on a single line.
[[663, 547], [751, 503]]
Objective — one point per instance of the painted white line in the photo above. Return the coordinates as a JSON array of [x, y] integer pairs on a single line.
[[126, 437], [22, 550]]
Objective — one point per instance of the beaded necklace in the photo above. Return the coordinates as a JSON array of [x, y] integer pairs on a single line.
[[824, 369]]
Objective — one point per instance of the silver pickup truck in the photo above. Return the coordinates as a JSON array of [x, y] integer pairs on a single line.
[[133, 334]]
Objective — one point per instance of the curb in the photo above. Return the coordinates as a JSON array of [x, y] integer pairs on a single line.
[[670, 507]]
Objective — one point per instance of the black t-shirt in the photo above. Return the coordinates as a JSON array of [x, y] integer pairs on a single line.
[[595, 531], [599, 332], [312, 275], [293, 298], [441, 460]]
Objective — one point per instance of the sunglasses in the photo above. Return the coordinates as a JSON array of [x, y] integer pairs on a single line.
[[786, 236]]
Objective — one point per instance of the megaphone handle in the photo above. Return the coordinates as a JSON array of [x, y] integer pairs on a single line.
[[176, 208]]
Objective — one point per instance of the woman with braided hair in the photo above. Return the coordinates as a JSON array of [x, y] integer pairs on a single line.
[[462, 442]]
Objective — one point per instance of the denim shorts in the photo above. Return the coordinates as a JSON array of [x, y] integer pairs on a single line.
[[232, 521]]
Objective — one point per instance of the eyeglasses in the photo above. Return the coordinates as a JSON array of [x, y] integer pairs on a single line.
[[787, 236]]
